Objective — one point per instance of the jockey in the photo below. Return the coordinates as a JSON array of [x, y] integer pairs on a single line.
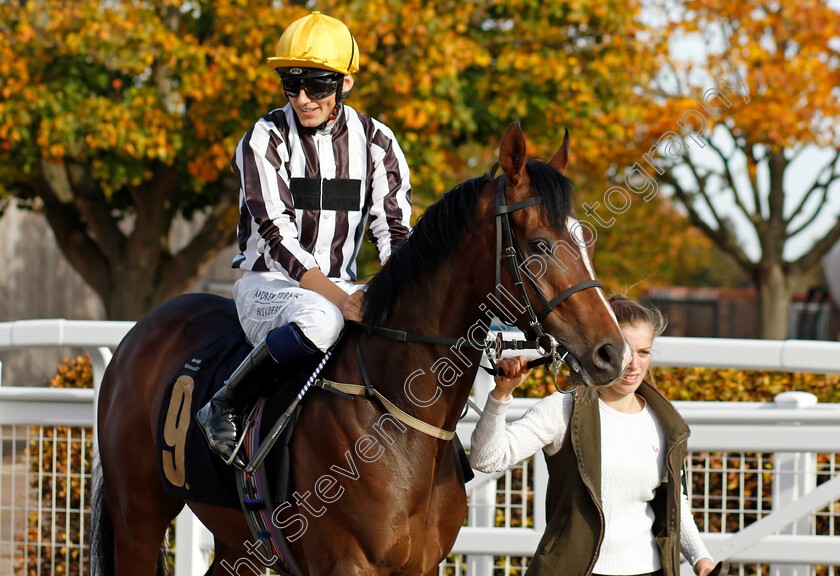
[[311, 174]]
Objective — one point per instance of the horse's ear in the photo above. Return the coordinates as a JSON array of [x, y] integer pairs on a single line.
[[560, 159], [512, 152]]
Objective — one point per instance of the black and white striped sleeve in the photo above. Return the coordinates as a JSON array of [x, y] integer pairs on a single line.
[[390, 210]]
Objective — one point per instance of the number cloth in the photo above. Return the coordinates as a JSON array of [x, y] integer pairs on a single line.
[[188, 469]]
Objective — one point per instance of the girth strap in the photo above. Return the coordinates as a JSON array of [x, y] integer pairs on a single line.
[[402, 416]]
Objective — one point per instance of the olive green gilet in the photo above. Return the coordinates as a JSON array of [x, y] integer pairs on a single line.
[[573, 535]]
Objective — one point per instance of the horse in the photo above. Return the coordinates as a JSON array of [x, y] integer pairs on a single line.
[[400, 501]]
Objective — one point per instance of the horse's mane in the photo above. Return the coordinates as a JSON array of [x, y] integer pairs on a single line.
[[439, 231]]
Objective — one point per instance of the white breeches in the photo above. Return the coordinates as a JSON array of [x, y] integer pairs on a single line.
[[266, 300]]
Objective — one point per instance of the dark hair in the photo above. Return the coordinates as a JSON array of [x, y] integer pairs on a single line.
[[630, 313]]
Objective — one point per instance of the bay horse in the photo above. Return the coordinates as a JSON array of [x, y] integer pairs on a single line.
[[400, 513]]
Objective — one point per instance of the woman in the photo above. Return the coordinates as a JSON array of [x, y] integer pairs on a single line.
[[615, 500]]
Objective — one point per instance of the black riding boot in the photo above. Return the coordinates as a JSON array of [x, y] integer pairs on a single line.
[[221, 418]]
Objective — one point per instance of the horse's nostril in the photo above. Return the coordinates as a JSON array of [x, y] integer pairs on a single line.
[[605, 356]]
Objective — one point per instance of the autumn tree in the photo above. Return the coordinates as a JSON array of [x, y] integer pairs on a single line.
[[575, 65], [653, 244], [588, 66], [452, 75], [118, 118], [738, 119]]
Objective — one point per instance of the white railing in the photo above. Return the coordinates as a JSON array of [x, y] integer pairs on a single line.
[[793, 429], [38, 406]]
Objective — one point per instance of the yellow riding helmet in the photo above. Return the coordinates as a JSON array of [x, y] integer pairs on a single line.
[[317, 41]]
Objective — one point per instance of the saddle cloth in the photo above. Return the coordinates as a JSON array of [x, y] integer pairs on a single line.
[[188, 468]]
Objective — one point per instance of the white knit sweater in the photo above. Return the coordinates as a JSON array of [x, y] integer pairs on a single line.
[[632, 467]]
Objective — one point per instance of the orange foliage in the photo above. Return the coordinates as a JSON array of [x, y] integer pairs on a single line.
[[120, 86], [785, 48], [119, 90]]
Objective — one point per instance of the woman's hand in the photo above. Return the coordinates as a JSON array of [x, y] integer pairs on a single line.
[[515, 372], [703, 566]]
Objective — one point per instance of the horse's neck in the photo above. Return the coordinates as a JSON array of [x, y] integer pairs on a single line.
[[444, 307]]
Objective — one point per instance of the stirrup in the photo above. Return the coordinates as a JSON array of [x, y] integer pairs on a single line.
[[232, 460]]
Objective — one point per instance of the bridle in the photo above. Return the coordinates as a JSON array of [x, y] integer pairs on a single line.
[[507, 247]]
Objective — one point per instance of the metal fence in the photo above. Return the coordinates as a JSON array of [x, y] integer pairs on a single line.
[[763, 476], [44, 521]]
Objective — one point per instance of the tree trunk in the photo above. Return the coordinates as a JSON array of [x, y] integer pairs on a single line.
[[134, 294], [775, 293], [137, 269]]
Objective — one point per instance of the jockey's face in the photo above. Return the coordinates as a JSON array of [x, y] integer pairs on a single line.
[[313, 112]]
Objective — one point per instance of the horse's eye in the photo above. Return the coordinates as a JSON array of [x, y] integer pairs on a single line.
[[540, 247]]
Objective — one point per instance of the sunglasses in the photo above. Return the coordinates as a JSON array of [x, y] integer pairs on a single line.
[[316, 87]]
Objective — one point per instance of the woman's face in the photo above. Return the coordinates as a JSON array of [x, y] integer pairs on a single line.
[[640, 338]]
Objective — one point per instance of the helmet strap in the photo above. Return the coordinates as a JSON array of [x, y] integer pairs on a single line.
[[339, 97], [333, 115], [335, 112]]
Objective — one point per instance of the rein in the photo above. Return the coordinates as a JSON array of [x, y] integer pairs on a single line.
[[552, 352]]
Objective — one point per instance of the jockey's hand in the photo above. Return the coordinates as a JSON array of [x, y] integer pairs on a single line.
[[315, 280], [353, 306], [515, 372]]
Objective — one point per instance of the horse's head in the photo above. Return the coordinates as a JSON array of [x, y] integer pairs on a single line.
[[545, 264]]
